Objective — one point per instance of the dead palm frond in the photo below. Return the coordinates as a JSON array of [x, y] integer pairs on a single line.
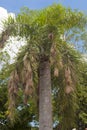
[[4, 37], [12, 93], [68, 80], [27, 78]]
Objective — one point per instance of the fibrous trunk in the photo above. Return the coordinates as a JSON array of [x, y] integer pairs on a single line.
[[45, 103]]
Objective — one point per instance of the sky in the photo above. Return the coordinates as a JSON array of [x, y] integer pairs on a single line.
[[15, 5]]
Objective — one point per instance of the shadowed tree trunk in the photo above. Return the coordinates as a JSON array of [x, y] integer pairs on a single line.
[[45, 103]]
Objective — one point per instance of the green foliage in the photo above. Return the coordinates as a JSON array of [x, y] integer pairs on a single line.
[[65, 105], [82, 94], [24, 113], [54, 26]]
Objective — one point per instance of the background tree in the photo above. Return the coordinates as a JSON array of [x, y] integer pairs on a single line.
[[82, 96]]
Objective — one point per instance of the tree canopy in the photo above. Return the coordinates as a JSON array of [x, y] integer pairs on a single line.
[[49, 33]]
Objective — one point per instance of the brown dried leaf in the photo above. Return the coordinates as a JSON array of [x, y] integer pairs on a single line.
[[61, 64], [68, 89], [67, 72], [56, 72]]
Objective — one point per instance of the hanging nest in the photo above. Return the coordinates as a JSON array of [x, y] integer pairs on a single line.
[[52, 53], [67, 73], [61, 63], [68, 89], [68, 80], [56, 72], [57, 67]]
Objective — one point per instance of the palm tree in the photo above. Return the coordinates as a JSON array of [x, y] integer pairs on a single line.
[[44, 31]]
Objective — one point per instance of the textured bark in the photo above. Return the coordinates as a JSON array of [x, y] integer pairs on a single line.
[[45, 103]]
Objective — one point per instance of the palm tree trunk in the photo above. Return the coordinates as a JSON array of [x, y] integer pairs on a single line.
[[45, 103]]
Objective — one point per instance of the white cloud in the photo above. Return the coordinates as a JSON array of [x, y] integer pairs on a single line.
[[3, 16], [13, 44], [12, 47], [3, 13]]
